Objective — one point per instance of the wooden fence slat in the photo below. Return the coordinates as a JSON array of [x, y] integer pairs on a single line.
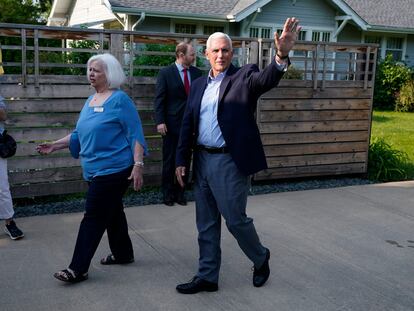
[[328, 93], [313, 104], [144, 105], [299, 116], [320, 159], [308, 171], [56, 161], [65, 174], [29, 149], [315, 148], [65, 187], [323, 137], [314, 126]]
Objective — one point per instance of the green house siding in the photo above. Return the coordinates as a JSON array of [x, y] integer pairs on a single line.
[[409, 55], [315, 13], [155, 24], [350, 34]]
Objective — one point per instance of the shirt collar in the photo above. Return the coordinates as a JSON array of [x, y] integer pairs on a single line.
[[180, 67], [218, 78]]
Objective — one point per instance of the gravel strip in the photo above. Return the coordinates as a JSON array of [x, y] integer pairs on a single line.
[[155, 197]]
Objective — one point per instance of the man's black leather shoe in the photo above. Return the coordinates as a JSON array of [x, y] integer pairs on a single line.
[[181, 201], [168, 203], [197, 285], [260, 275]]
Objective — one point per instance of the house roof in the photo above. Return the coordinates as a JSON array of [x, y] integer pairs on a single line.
[[385, 13], [213, 8], [367, 14]]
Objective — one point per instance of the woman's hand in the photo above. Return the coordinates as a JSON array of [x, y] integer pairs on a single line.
[[45, 148], [136, 177], [48, 148]]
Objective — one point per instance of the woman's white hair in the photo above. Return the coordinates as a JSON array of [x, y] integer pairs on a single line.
[[218, 35], [113, 70]]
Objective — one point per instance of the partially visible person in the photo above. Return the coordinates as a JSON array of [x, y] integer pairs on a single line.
[[173, 87], [110, 142], [6, 204]]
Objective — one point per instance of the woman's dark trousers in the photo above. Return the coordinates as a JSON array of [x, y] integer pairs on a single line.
[[104, 210]]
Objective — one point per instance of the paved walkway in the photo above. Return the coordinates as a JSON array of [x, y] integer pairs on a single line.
[[348, 248]]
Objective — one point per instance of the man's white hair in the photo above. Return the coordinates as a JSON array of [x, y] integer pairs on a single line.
[[113, 70], [218, 35]]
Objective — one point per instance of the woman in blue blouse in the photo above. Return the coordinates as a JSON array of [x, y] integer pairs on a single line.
[[110, 143]]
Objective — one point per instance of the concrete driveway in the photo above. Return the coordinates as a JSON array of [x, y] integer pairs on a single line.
[[349, 248]]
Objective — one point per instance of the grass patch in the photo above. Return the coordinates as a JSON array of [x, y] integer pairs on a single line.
[[397, 129]]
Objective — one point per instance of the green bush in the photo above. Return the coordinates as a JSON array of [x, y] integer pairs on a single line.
[[154, 60], [390, 77], [405, 98], [386, 163], [293, 74]]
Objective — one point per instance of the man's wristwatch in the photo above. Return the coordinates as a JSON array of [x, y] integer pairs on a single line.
[[282, 57]]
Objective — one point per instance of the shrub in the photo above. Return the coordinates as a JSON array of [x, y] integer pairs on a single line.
[[154, 60], [390, 77], [405, 98], [293, 74], [385, 163]]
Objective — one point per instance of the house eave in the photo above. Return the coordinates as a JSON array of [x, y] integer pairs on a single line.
[[238, 17], [376, 28], [135, 11], [349, 11]]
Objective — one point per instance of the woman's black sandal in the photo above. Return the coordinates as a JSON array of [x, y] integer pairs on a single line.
[[67, 276], [110, 260]]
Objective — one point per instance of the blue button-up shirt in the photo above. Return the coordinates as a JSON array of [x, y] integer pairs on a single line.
[[209, 130]]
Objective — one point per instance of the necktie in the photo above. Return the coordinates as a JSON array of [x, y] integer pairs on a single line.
[[186, 82]]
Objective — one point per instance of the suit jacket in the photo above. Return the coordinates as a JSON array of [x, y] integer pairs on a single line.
[[238, 95], [170, 97]]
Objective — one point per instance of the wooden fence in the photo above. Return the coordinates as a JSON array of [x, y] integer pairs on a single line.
[[313, 125]]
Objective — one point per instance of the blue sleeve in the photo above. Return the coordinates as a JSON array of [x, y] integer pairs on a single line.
[[74, 144], [131, 123]]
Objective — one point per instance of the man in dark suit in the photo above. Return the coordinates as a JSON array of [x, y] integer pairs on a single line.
[[173, 87], [219, 125]]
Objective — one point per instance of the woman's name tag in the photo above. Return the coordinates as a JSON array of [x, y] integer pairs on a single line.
[[98, 109]]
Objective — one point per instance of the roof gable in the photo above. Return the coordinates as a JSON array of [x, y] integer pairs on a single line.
[[382, 13]]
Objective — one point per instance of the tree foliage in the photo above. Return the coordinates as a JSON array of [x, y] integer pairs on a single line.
[[24, 11], [391, 76]]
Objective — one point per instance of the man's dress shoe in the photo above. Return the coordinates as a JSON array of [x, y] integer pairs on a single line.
[[260, 275], [197, 285], [168, 202], [181, 201]]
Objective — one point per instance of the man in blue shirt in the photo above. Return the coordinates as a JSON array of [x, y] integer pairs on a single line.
[[219, 125]]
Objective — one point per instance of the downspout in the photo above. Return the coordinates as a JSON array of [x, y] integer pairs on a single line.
[[139, 21]]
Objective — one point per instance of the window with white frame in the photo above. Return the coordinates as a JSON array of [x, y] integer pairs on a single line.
[[322, 36], [395, 47], [185, 28], [387, 45], [209, 29], [301, 36], [260, 32]]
